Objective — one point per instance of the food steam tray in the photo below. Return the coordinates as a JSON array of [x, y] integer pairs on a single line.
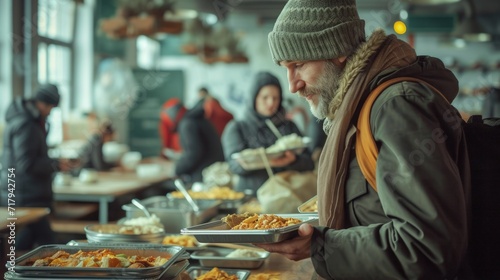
[[24, 269]]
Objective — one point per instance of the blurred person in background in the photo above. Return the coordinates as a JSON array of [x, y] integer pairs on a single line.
[[91, 156], [171, 110], [212, 110], [198, 139], [252, 132], [491, 103], [25, 151]]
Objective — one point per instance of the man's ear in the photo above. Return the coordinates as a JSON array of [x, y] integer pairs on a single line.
[[339, 61]]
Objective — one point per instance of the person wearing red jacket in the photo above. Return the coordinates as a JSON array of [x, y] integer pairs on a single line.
[[172, 111], [213, 111]]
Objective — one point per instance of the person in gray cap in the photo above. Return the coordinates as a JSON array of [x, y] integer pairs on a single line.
[[25, 152], [412, 221]]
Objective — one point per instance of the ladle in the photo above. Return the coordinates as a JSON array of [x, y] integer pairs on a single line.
[[180, 186], [141, 206]]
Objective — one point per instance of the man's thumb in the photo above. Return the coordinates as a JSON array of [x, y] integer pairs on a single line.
[[305, 230]]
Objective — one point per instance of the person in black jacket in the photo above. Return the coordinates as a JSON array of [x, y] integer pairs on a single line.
[[25, 152], [91, 156], [252, 132], [199, 141]]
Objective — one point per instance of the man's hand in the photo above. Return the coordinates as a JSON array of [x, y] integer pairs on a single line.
[[285, 160], [295, 249]]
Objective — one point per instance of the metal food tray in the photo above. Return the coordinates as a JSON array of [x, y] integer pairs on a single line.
[[188, 249], [175, 253], [219, 232], [217, 257], [174, 214], [100, 233], [303, 208], [168, 274], [224, 203], [196, 271], [185, 256], [255, 162]]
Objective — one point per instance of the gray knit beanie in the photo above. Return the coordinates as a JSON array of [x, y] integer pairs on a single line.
[[316, 30]]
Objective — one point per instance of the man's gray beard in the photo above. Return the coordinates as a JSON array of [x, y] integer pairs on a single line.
[[325, 88]]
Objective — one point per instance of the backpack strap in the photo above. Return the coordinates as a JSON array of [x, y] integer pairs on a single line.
[[366, 148]]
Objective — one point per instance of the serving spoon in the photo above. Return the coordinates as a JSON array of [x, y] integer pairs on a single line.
[[141, 206]]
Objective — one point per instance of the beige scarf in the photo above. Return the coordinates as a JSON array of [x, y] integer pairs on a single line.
[[379, 53]]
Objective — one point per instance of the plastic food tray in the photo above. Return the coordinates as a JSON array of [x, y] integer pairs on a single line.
[[255, 162], [217, 257], [307, 206], [175, 254], [196, 271], [219, 232]]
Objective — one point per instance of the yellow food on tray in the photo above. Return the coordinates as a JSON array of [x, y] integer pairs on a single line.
[[213, 193], [103, 258], [216, 274], [181, 240], [255, 221], [311, 208]]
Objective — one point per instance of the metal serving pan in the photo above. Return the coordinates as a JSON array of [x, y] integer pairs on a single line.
[[218, 257], [224, 203], [307, 206], [219, 232], [101, 233], [168, 274], [174, 214], [23, 267], [196, 271]]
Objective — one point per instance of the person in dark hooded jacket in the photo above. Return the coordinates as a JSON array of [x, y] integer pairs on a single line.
[[252, 132], [199, 141], [25, 152]]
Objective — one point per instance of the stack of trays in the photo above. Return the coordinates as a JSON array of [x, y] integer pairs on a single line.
[[177, 262], [108, 233]]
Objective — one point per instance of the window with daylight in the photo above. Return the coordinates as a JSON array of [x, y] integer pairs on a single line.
[[55, 51]]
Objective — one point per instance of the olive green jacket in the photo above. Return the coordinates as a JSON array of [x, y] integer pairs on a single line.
[[415, 227]]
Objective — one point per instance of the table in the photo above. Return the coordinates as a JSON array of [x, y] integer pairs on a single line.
[[285, 268], [23, 216], [111, 185]]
